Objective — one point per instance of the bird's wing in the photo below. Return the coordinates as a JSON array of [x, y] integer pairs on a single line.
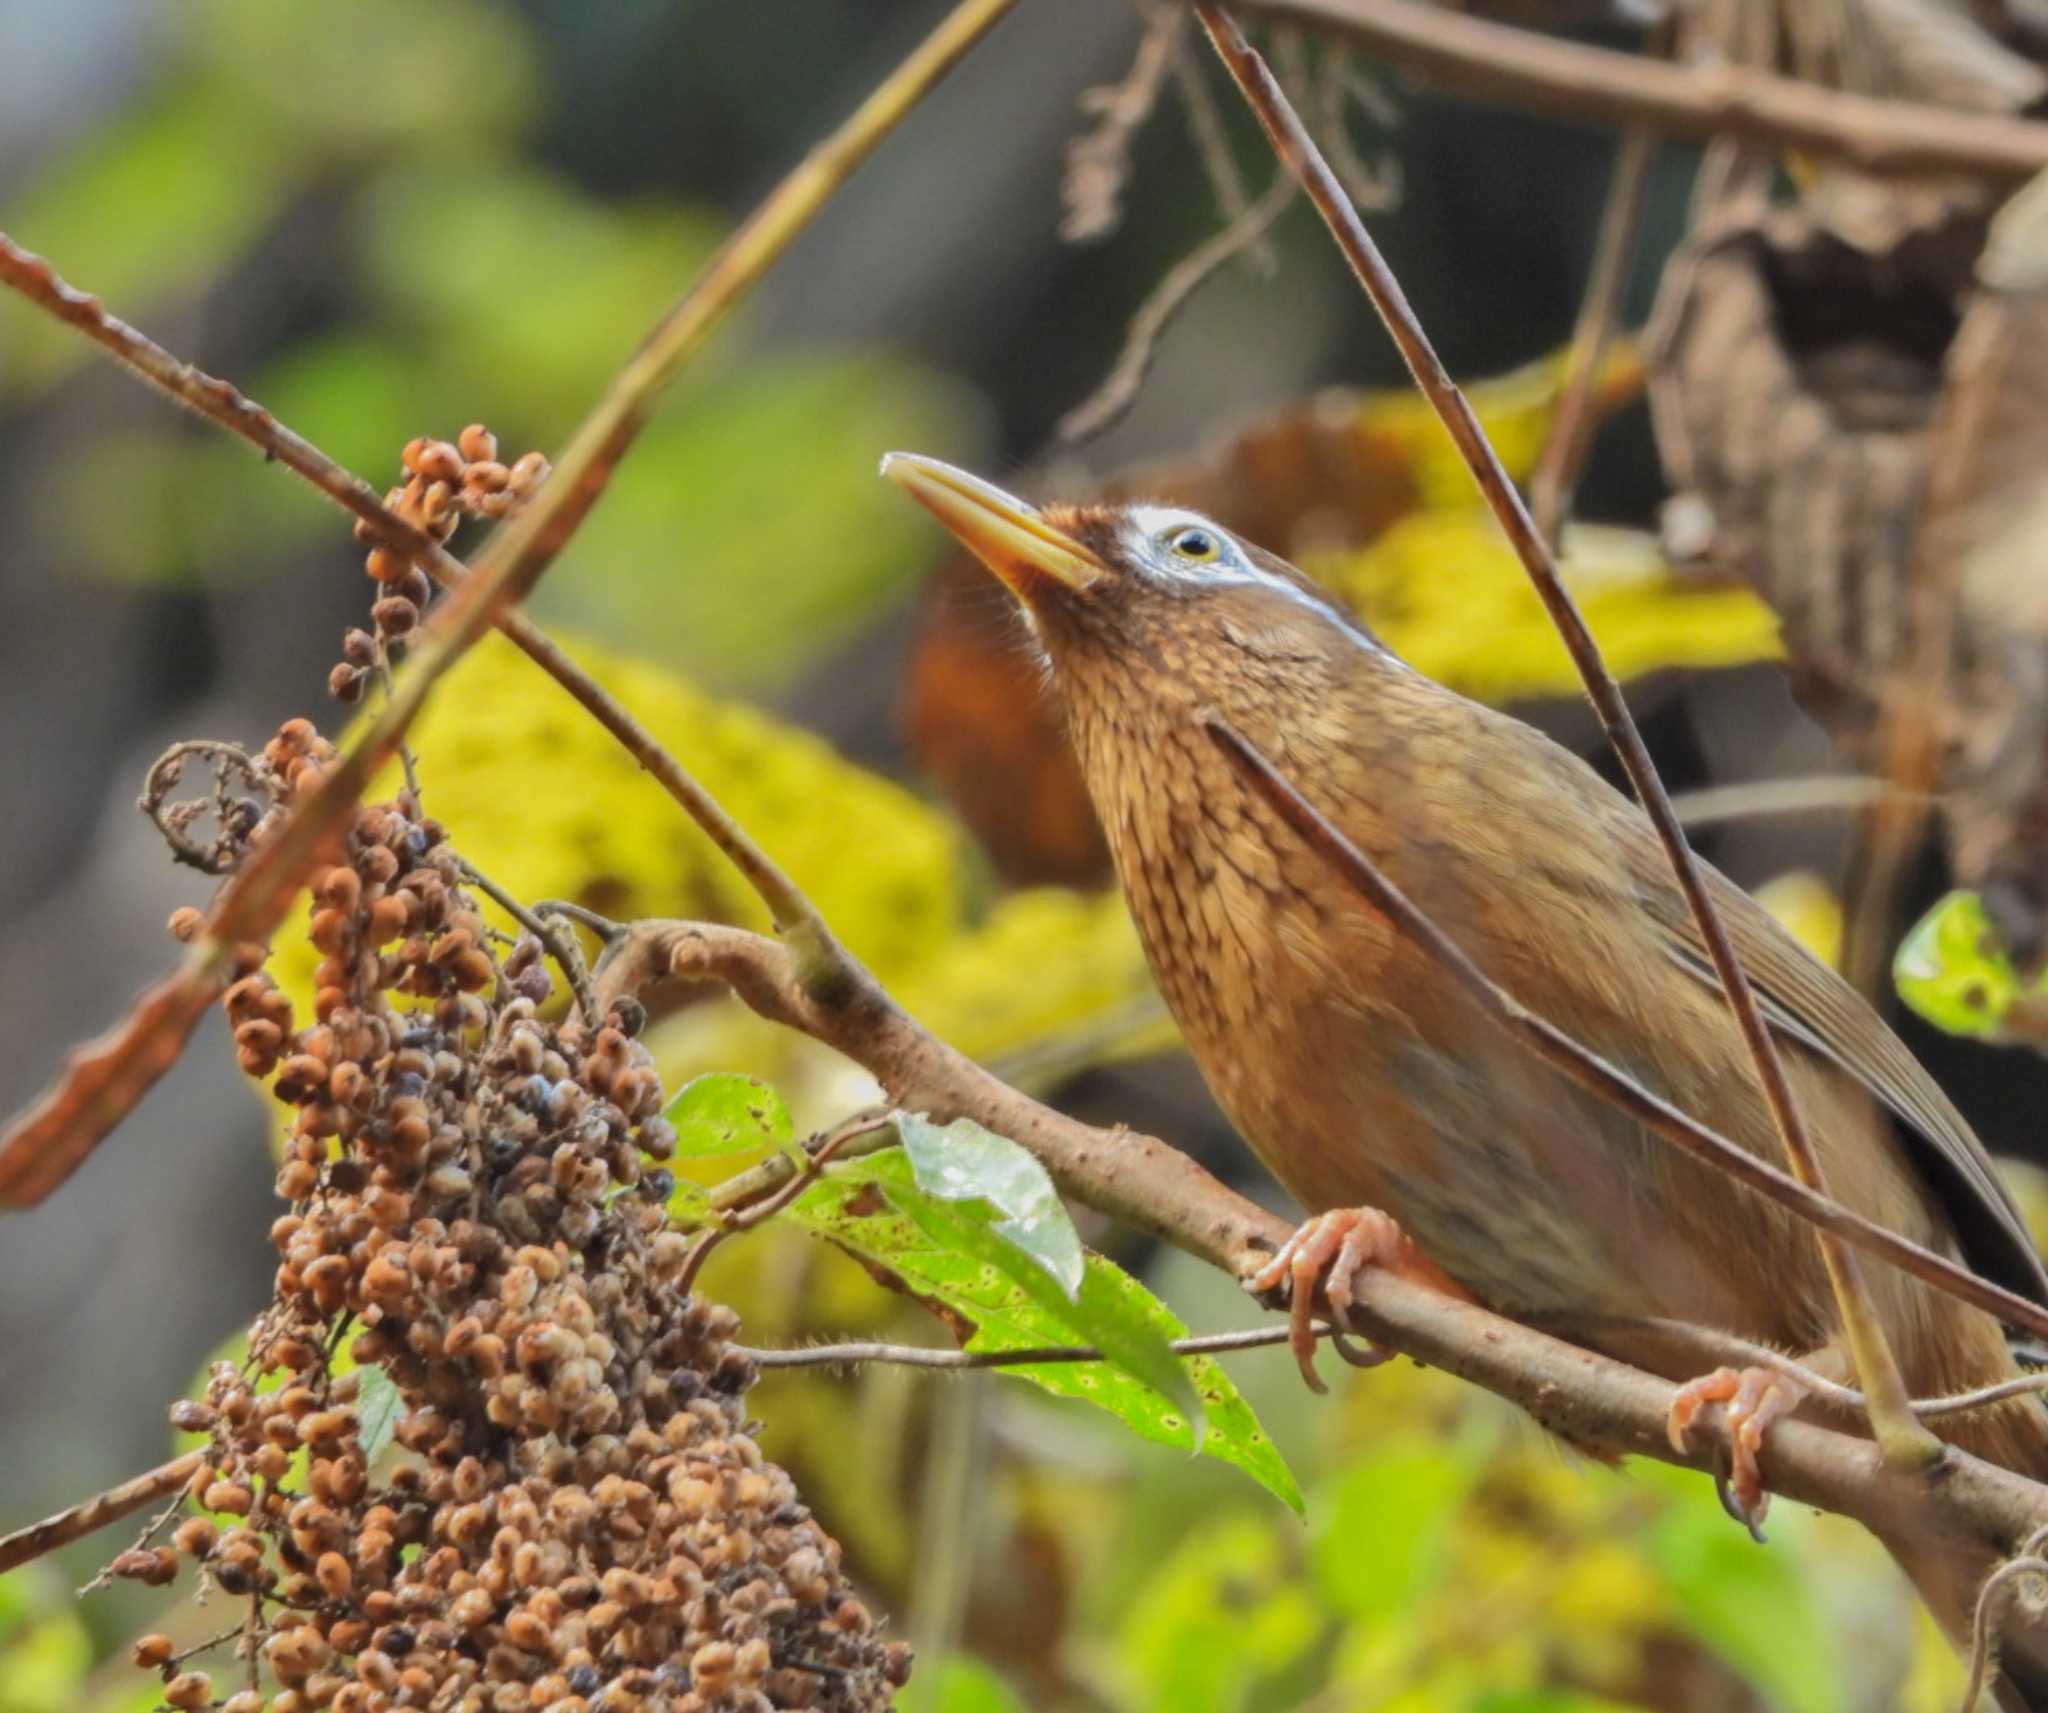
[[1808, 1002]]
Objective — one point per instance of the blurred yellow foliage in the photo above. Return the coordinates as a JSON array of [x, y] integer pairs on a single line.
[[1444, 591], [543, 800], [1806, 908], [1514, 408]]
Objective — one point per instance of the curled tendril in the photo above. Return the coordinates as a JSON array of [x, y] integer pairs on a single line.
[[243, 792]]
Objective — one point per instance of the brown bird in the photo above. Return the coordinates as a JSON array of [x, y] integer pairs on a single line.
[[1416, 1134]]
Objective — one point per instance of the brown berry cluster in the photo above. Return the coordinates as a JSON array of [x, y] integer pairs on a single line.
[[571, 1513], [444, 483]]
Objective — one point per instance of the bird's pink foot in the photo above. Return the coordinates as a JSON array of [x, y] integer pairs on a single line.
[[1752, 1399], [1327, 1254]]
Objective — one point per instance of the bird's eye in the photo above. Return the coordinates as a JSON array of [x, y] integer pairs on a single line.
[[1194, 544]]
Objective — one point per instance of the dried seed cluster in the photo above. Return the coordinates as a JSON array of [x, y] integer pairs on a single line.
[[444, 483], [575, 1517]]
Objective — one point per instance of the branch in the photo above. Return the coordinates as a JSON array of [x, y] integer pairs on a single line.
[[1901, 1435], [88, 1515], [1570, 434], [1589, 1399], [1600, 86]]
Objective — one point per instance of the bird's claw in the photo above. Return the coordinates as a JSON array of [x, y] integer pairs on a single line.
[[1752, 1399], [1329, 1252]]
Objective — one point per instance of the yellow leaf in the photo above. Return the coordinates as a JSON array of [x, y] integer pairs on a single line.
[[1444, 591], [1807, 909]]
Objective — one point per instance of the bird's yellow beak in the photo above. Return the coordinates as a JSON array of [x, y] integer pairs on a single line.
[[1003, 532]]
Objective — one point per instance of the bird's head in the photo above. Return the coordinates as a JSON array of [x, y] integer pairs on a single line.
[[1137, 604]]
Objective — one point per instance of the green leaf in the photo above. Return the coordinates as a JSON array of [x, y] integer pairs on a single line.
[[1099, 1313], [378, 1407], [1952, 968], [723, 1112], [942, 1251], [963, 1162]]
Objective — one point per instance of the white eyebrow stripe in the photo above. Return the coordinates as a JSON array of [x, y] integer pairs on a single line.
[[1147, 523]]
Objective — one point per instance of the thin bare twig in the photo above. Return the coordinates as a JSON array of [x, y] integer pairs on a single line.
[[1569, 438], [1179, 283], [1589, 85], [927, 1356], [88, 1516], [561, 947], [1718, 1347], [1212, 147], [232, 821], [221, 404], [232, 1633], [740, 1217], [1900, 1435], [103, 1081], [1099, 160], [1817, 794]]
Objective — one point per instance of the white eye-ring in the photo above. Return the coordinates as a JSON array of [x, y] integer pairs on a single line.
[[1193, 543]]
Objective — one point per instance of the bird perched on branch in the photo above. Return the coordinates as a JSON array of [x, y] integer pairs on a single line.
[[1417, 1134]]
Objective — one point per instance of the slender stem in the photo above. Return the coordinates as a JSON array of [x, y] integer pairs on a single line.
[[1555, 478], [611, 428], [1590, 86], [1896, 1430], [740, 1217], [925, 1356], [1718, 1347], [1212, 146], [1180, 282], [1817, 794], [220, 403], [561, 946], [86, 1517]]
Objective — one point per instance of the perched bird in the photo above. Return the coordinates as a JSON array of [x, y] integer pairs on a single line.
[[1415, 1133]]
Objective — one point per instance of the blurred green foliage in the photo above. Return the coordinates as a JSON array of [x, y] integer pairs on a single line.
[[1953, 969]]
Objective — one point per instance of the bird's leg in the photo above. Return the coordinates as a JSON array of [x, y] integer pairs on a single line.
[[1328, 1252], [1752, 1399]]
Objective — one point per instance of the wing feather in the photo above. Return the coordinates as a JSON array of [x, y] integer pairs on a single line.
[[1805, 1001]]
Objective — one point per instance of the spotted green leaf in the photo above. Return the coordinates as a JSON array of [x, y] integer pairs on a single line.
[[1952, 969], [723, 1112]]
